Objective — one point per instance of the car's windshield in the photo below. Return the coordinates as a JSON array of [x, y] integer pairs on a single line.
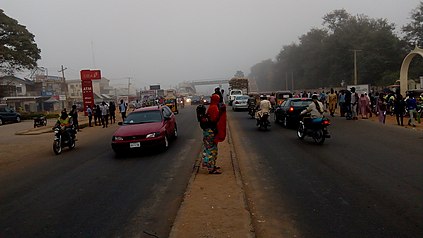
[[301, 103], [236, 92], [143, 117]]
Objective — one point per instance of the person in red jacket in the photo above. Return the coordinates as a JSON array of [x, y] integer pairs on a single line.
[[214, 133]]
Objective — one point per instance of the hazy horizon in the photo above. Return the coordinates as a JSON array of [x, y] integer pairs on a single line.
[[167, 42]]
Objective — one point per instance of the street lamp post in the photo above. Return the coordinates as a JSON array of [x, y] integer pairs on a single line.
[[355, 66]]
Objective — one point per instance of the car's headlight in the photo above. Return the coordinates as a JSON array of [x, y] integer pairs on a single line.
[[152, 135], [117, 138]]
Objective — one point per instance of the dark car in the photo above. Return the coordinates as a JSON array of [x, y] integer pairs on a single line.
[[195, 100], [289, 111], [8, 115], [145, 127]]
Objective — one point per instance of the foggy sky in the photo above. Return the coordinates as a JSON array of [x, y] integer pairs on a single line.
[[170, 41]]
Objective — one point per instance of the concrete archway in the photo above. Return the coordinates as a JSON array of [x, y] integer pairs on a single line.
[[404, 68]]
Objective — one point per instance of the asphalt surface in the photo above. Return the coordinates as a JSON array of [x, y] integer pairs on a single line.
[[87, 192], [365, 181]]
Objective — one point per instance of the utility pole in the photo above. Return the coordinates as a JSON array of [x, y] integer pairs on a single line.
[[64, 86], [286, 81], [129, 84], [355, 66]]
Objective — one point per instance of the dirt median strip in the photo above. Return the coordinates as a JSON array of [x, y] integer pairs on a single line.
[[215, 204]]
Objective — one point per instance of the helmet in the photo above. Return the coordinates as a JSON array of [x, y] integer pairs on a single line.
[[262, 97], [314, 96]]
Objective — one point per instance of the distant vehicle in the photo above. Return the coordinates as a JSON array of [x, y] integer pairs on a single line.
[[240, 102], [195, 100], [206, 100], [239, 83], [232, 94], [289, 112], [7, 114], [143, 128], [281, 96]]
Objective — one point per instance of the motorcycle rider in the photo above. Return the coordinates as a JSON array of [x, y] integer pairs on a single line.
[[264, 107], [315, 108], [66, 121]]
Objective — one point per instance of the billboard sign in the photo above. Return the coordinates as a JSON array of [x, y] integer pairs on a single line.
[[87, 94], [155, 87], [88, 74], [360, 88]]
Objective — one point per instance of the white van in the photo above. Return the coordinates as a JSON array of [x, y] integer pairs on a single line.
[[232, 94]]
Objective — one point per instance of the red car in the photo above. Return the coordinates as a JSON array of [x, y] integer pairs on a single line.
[[145, 127]]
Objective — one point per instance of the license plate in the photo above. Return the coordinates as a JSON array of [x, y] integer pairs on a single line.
[[135, 145]]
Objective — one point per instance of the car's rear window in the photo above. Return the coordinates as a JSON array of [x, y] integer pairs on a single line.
[[301, 103], [242, 97], [143, 117], [236, 92]]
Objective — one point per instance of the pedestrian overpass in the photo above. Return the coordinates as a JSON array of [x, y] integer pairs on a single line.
[[189, 86]]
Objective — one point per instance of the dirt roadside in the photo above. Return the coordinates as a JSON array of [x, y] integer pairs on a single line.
[[215, 205]]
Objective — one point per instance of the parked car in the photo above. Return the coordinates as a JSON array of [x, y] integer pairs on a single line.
[[146, 127], [7, 114], [289, 111], [240, 102]]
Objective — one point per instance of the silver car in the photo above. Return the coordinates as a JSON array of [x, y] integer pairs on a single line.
[[240, 102]]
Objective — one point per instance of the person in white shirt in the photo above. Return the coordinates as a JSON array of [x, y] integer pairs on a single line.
[[122, 109], [264, 107], [315, 108], [104, 114]]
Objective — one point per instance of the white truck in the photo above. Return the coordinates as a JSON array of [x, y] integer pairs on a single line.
[[237, 87], [232, 94]]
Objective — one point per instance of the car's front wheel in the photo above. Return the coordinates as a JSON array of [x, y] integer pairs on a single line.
[[18, 119], [1, 121]]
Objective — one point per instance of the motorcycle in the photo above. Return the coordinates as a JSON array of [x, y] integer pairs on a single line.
[[252, 110], [315, 128], [63, 137], [263, 121]]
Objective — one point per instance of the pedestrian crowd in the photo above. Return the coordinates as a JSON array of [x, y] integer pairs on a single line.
[[102, 113], [353, 105]]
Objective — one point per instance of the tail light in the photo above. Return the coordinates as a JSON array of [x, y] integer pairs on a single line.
[[326, 122], [291, 109]]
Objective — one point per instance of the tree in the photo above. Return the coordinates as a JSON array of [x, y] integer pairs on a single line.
[[18, 50], [239, 74], [414, 30], [324, 57]]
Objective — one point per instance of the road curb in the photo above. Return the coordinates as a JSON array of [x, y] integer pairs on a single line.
[[183, 221]]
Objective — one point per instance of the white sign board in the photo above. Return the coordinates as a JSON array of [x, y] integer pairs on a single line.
[[62, 97], [360, 88]]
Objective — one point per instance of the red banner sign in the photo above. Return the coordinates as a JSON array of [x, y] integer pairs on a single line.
[[87, 94], [90, 74]]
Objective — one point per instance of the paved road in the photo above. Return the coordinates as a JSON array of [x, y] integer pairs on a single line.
[[366, 181], [87, 192]]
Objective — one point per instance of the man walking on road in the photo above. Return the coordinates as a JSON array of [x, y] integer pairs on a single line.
[[122, 109], [90, 115], [104, 114]]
